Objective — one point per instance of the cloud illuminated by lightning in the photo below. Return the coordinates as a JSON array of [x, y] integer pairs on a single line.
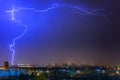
[[12, 12]]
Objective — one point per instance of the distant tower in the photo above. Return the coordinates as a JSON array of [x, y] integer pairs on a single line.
[[6, 65]]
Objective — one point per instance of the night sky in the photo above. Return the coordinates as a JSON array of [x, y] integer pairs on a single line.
[[62, 35]]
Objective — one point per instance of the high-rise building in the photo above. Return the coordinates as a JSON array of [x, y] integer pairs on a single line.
[[6, 65]]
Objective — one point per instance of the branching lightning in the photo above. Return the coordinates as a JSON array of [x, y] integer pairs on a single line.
[[13, 18]]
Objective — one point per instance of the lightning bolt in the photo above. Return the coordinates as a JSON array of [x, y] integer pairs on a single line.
[[12, 45], [76, 9]]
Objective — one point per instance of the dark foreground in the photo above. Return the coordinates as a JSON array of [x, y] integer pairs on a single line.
[[62, 73]]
